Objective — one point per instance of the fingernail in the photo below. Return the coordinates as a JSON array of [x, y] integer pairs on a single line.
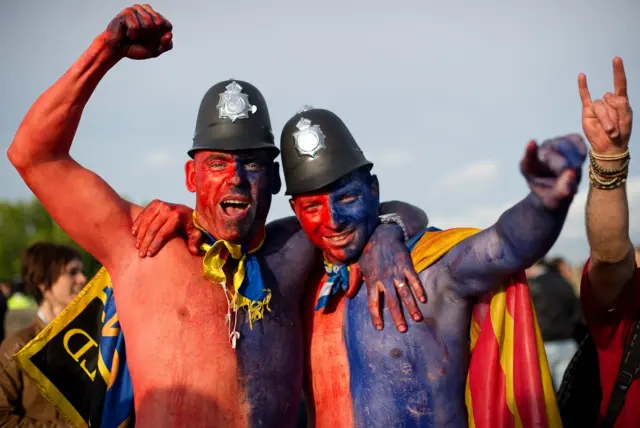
[[137, 245], [379, 327], [141, 254], [402, 328], [423, 300], [417, 317], [149, 253]]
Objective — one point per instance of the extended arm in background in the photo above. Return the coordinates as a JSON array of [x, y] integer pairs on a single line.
[[525, 232]]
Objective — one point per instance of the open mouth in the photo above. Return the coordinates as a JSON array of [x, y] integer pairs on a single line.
[[234, 207], [340, 238]]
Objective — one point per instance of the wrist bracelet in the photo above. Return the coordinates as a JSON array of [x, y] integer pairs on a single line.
[[394, 218]]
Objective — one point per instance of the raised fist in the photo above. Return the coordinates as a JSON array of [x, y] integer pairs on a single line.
[[139, 32], [554, 169]]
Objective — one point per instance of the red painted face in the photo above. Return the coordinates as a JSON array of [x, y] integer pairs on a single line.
[[340, 219], [233, 191]]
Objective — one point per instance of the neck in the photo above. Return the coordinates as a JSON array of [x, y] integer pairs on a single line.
[[255, 235], [332, 260], [49, 311]]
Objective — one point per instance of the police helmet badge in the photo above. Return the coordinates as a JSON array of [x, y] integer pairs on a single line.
[[233, 104], [309, 138]]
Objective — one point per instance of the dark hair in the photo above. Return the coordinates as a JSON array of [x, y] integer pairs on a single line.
[[556, 262], [43, 263]]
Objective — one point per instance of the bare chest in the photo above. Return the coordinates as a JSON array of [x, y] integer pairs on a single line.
[[327, 365], [176, 328]]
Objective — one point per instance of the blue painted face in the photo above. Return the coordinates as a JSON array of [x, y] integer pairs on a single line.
[[340, 218]]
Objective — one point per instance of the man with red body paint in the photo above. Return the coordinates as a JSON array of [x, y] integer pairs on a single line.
[[360, 377], [184, 370]]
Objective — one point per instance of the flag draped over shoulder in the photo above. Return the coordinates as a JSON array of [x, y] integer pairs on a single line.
[[79, 361], [508, 384]]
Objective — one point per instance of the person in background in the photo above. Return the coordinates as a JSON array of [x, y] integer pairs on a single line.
[[564, 269], [53, 275], [19, 299], [610, 289], [5, 293], [559, 313]]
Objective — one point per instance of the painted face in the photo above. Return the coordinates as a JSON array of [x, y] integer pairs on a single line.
[[67, 286], [340, 219], [233, 191]]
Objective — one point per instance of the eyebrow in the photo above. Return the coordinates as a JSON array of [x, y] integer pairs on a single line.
[[218, 156], [308, 199]]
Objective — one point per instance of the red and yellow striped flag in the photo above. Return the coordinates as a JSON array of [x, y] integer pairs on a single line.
[[509, 383]]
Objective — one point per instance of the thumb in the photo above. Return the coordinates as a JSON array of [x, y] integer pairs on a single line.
[[529, 162], [355, 279], [565, 184], [193, 241]]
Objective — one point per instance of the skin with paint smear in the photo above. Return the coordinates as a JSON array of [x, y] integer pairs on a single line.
[[233, 191], [418, 378], [184, 371]]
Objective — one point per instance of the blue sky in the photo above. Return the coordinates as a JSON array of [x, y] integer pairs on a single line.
[[441, 96]]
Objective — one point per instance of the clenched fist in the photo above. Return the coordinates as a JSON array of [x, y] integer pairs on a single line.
[[139, 32], [553, 170]]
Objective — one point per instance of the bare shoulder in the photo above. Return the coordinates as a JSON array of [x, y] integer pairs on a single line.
[[286, 234], [437, 277], [289, 255]]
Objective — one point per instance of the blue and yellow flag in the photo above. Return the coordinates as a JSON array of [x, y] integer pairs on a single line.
[[79, 361]]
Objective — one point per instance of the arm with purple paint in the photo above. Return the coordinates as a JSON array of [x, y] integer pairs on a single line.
[[524, 233], [385, 263]]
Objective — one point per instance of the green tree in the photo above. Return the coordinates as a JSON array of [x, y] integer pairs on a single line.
[[21, 224]]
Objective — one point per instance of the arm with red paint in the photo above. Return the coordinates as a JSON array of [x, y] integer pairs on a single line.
[[525, 232], [84, 205], [607, 125]]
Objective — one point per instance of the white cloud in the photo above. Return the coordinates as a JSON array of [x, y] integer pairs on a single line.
[[160, 158], [468, 179], [393, 158], [480, 172], [480, 217], [574, 228]]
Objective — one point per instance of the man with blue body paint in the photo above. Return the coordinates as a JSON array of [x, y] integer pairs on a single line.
[[358, 376]]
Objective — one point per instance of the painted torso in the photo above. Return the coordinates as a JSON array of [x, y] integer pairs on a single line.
[[183, 368], [362, 377]]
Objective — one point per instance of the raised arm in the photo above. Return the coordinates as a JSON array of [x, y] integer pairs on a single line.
[[607, 125], [80, 201], [525, 232]]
